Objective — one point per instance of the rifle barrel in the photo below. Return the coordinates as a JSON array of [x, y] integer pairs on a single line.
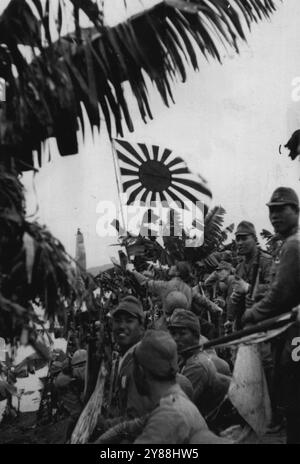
[[269, 324]]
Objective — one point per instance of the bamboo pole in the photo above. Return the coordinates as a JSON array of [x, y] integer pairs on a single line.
[[88, 418]]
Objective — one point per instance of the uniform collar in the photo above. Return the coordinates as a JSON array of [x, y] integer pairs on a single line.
[[125, 355], [253, 257]]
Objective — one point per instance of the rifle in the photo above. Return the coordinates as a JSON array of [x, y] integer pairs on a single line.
[[262, 327]]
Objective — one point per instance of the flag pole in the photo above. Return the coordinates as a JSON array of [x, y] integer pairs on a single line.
[[115, 161], [117, 180]]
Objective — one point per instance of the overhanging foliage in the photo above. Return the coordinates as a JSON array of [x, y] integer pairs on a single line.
[[43, 97]]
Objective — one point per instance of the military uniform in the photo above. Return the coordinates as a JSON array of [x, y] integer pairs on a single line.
[[126, 400], [70, 393], [257, 272], [70, 388], [210, 387], [174, 419], [163, 288], [283, 296]]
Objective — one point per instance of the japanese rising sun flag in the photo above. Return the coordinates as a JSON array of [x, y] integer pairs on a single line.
[[150, 173]]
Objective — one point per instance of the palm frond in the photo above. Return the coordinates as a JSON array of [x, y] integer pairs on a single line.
[[12, 198], [228, 230], [92, 11], [44, 96], [54, 280], [213, 233], [272, 241], [266, 234], [293, 144], [38, 269]]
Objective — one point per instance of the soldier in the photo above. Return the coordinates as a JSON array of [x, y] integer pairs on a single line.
[[252, 280], [128, 330], [173, 301], [253, 274], [180, 275], [174, 418], [69, 387], [283, 296], [220, 280], [210, 387]]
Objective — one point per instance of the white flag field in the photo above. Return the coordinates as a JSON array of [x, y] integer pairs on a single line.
[[253, 338], [248, 390]]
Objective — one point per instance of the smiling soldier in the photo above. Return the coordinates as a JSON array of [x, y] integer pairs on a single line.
[[128, 329]]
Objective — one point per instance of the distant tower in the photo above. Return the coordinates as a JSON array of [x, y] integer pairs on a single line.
[[80, 250]]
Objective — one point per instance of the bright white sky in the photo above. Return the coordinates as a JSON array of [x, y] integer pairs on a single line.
[[228, 122]]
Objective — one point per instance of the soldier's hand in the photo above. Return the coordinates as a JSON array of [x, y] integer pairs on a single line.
[[220, 302], [249, 301], [240, 286], [216, 309], [148, 274], [228, 326], [129, 267], [247, 318], [235, 297]]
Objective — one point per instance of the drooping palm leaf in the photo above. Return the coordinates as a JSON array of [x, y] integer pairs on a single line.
[[266, 234], [228, 230], [42, 273], [293, 144], [33, 264], [92, 11], [12, 197], [44, 97], [272, 241], [213, 232]]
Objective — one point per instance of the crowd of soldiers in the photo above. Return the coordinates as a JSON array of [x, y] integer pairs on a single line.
[[165, 388], [260, 287]]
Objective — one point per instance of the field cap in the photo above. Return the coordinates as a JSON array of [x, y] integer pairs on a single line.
[[79, 357], [157, 353], [130, 305], [185, 319], [284, 196], [245, 228], [175, 300]]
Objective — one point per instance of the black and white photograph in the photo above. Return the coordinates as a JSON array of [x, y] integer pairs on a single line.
[[149, 225]]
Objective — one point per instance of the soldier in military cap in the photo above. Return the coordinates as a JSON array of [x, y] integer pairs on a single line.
[[219, 281], [180, 275], [174, 418], [128, 331], [253, 274], [282, 296], [210, 387], [252, 280]]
